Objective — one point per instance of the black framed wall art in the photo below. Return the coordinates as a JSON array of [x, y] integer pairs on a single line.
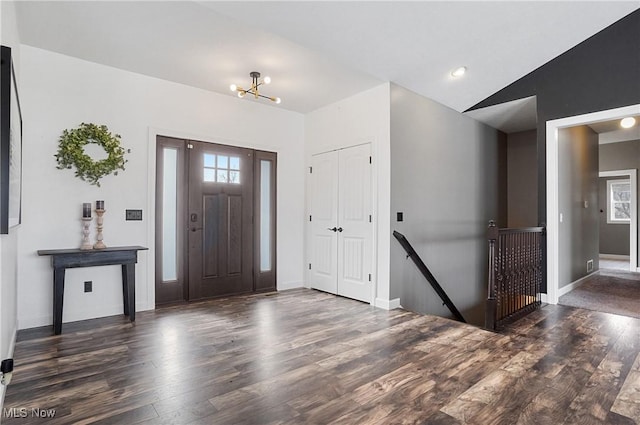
[[10, 145]]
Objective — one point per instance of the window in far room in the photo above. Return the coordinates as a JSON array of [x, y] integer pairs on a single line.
[[618, 201]]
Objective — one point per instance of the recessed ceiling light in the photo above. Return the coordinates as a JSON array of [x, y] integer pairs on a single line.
[[627, 122], [459, 72]]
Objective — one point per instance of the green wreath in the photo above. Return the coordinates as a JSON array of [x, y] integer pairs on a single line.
[[71, 152]]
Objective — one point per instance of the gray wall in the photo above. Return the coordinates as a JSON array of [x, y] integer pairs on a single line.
[[576, 83], [444, 178], [620, 156], [522, 179], [578, 182], [614, 238]]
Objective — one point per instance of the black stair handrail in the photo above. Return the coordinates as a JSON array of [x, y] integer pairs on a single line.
[[428, 275]]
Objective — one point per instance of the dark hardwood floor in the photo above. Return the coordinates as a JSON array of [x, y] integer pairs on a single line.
[[305, 357]]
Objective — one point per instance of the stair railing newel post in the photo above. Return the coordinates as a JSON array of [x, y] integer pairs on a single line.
[[491, 305]]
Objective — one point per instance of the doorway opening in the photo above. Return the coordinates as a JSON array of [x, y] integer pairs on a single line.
[[617, 194], [215, 220], [554, 214]]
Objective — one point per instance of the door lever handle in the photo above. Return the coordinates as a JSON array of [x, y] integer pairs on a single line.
[[333, 229], [193, 229]]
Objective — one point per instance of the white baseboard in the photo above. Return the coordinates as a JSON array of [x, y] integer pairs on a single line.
[[107, 311], [573, 285], [35, 322], [544, 298], [12, 347], [387, 304], [283, 286], [615, 257]]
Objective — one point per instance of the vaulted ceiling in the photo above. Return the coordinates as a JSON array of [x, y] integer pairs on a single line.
[[319, 52]]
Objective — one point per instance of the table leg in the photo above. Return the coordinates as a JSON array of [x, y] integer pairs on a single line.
[[58, 298], [129, 282], [125, 290]]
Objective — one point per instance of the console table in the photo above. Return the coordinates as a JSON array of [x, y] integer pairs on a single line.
[[62, 259]]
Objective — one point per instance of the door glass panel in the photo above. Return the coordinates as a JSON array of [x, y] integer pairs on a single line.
[[221, 168], [209, 160], [265, 216], [209, 175], [209, 167], [169, 214]]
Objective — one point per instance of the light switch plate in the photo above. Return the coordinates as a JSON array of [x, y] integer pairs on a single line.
[[133, 215]]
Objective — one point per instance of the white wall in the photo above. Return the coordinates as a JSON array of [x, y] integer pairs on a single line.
[[60, 92], [9, 243], [363, 118]]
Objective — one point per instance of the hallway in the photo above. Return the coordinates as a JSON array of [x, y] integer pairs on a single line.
[[609, 291]]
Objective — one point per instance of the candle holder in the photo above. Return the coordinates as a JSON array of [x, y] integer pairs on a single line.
[[99, 243], [86, 243]]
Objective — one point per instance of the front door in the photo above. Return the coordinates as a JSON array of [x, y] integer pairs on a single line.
[[220, 220], [215, 220]]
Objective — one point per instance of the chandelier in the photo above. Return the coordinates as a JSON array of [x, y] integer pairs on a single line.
[[255, 84]]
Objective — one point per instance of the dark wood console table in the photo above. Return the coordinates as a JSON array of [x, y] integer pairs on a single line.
[[62, 259]]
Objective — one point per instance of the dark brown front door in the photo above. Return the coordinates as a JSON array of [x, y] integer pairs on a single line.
[[215, 220], [219, 220]]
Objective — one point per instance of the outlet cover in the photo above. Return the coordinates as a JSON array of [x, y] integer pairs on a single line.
[[135, 215], [589, 266]]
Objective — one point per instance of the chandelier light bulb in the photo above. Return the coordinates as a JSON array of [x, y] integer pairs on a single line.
[[628, 122], [267, 80], [233, 87], [241, 94], [278, 100]]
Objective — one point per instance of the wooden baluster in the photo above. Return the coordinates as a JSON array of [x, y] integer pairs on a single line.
[[490, 308]]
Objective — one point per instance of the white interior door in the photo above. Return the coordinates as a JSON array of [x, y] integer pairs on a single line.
[[355, 227], [341, 243], [324, 217]]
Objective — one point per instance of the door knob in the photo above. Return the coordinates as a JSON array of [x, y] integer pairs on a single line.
[[339, 229], [333, 229]]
